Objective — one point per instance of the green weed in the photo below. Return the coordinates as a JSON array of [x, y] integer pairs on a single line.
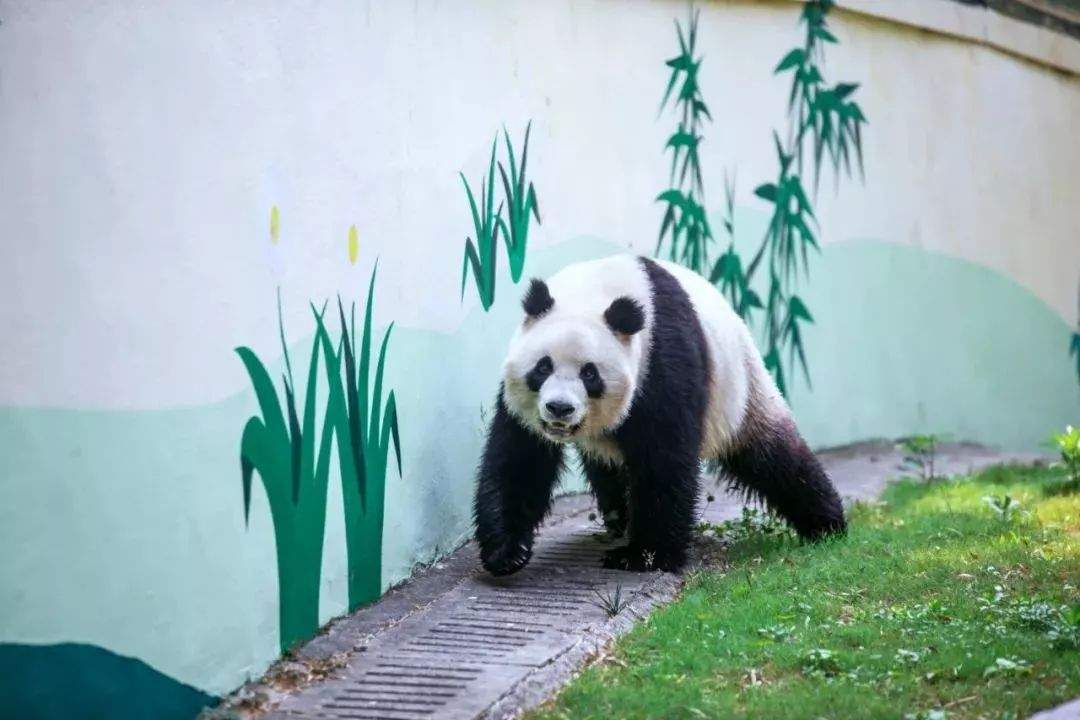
[[920, 454], [612, 602], [1068, 446]]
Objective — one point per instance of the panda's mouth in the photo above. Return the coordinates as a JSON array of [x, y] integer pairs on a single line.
[[558, 430]]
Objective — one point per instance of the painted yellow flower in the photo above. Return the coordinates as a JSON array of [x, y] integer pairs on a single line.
[[275, 224], [354, 244]]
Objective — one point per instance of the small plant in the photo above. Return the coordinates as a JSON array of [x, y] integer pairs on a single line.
[[753, 523], [820, 662], [482, 256], [685, 224], [920, 453], [1068, 444], [777, 633], [1008, 666], [611, 602], [932, 714], [1004, 506], [907, 657]]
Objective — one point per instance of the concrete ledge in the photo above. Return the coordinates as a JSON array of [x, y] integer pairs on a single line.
[[979, 25]]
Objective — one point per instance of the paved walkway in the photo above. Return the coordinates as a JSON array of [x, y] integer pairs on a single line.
[[453, 642]]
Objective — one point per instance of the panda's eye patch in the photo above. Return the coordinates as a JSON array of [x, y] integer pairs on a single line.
[[590, 378], [536, 377]]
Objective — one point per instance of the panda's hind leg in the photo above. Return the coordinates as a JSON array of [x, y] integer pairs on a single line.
[[610, 485], [775, 465]]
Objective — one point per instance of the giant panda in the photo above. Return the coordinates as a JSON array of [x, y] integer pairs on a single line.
[[644, 367]]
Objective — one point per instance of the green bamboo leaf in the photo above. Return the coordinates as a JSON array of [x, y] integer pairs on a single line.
[[842, 90], [773, 365], [670, 86], [793, 59], [797, 309], [669, 218], [823, 34], [672, 197], [767, 191], [679, 62], [751, 299], [682, 139]]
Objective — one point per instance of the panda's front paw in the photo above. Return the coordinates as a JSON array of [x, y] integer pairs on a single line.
[[639, 559], [506, 559]]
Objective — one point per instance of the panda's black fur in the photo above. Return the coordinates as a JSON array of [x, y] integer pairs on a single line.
[[651, 496]]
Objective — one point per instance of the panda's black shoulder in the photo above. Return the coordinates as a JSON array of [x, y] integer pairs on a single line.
[[677, 363]]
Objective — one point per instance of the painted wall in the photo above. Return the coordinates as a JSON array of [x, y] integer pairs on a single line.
[[144, 146]]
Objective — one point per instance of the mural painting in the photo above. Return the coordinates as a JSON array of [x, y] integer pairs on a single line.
[[520, 203], [227, 586], [822, 120], [293, 461]]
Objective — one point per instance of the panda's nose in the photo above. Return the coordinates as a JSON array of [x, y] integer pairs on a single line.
[[559, 410]]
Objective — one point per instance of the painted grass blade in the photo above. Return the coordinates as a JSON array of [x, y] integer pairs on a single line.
[[390, 425], [376, 397], [267, 397], [307, 456], [295, 437], [352, 405], [252, 443]]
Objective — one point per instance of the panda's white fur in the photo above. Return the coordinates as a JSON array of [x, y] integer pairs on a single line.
[[646, 369], [573, 332]]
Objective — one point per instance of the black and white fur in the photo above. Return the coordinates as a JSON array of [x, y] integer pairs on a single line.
[[645, 368]]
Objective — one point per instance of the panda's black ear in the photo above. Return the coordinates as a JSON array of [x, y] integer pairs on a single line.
[[537, 300], [625, 315]]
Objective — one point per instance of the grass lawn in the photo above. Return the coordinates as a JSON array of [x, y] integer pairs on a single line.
[[936, 605]]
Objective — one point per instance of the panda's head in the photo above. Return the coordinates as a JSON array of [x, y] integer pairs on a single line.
[[572, 371]]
